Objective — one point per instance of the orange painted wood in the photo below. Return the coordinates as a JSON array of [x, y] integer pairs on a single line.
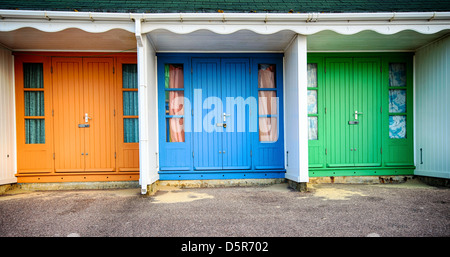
[[99, 104], [74, 85], [32, 158], [127, 153], [78, 177], [84, 86], [68, 94]]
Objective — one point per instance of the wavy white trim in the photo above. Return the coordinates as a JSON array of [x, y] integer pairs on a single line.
[[228, 23]]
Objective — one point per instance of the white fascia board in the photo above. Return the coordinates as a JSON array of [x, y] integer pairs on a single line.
[[304, 24], [51, 21], [226, 23]]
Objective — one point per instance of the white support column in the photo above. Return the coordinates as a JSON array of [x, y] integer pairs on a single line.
[[148, 112], [296, 110]]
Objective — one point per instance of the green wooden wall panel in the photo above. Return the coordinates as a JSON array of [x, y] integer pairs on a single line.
[[359, 82]]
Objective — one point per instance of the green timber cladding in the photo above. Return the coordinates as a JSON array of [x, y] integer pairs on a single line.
[[360, 114], [275, 6]]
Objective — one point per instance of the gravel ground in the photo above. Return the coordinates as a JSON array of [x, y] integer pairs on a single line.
[[411, 209]]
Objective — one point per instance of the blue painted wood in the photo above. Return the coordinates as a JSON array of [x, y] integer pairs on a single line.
[[222, 174], [173, 155], [236, 90], [207, 136], [269, 155], [220, 76]]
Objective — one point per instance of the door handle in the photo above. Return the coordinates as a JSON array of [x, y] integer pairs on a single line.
[[356, 114], [225, 115], [87, 118]]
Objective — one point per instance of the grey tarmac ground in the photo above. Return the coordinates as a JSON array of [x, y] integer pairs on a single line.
[[410, 209]]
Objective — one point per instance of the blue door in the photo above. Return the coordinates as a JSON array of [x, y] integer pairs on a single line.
[[221, 138]]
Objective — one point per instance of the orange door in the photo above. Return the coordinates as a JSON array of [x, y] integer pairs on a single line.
[[68, 112], [83, 107], [99, 107]]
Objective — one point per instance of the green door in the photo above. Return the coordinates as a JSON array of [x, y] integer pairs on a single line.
[[353, 112]]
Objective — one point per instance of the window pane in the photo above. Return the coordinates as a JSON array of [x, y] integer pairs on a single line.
[[34, 103], [175, 130], [34, 131], [33, 75], [129, 76], [131, 130], [174, 102], [174, 76], [312, 101], [312, 128], [268, 103], [266, 76], [397, 74], [268, 129], [312, 74], [397, 100], [130, 103], [397, 126]]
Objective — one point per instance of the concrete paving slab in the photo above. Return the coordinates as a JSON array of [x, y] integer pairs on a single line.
[[411, 209]]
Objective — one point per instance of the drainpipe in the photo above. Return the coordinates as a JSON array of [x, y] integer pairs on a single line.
[[143, 115]]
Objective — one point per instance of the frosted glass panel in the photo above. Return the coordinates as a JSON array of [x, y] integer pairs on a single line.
[[312, 74], [266, 76], [129, 76], [130, 103], [312, 101], [34, 131], [34, 103], [267, 102], [268, 129], [131, 130], [397, 74], [175, 130], [312, 128], [397, 100], [33, 75], [397, 126]]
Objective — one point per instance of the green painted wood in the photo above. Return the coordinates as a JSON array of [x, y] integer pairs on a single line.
[[339, 90], [359, 81], [367, 100], [353, 85]]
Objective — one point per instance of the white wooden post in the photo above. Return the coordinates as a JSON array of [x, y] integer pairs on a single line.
[[296, 123], [148, 112]]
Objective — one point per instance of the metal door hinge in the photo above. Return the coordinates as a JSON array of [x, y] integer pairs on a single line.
[[250, 152], [192, 154], [115, 156], [381, 150], [249, 70], [326, 152], [114, 70], [51, 69], [53, 156], [53, 113], [114, 112], [192, 70]]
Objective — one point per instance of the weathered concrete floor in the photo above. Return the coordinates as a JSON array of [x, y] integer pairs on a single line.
[[411, 209]]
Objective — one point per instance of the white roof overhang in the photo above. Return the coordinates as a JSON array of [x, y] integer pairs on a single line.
[[220, 32]]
